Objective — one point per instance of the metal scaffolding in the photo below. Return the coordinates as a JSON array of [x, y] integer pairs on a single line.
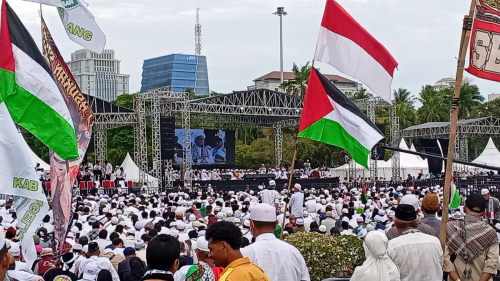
[[101, 145], [141, 135], [373, 160], [156, 138], [278, 143], [396, 164], [465, 129]]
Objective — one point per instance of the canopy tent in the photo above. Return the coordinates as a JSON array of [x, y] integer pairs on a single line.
[[489, 156], [409, 164], [35, 159], [132, 171]]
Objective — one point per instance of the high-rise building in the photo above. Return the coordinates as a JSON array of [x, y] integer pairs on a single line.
[[178, 71], [99, 74]]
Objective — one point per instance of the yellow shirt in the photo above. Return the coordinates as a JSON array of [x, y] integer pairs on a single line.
[[243, 270]]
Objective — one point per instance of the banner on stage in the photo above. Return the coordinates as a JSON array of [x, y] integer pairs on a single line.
[[485, 41], [63, 172]]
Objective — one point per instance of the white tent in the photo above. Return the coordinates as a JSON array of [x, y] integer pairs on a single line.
[[35, 159], [409, 163], [132, 172], [489, 156]]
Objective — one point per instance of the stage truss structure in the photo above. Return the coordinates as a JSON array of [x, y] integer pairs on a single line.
[[465, 129], [253, 108]]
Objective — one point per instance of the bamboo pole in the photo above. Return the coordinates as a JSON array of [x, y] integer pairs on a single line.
[[289, 186], [464, 43]]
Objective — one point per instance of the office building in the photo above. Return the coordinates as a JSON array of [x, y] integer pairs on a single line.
[[178, 71], [99, 74], [271, 81]]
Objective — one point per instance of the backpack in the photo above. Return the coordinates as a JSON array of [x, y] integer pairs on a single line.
[[149, 225]]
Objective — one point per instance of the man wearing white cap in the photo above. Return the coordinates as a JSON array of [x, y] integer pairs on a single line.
[[297, 201], [204, 261], [278, 259], [492, 206], [271, 196]]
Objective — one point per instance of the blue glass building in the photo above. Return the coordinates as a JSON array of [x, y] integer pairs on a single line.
[[178, 71]]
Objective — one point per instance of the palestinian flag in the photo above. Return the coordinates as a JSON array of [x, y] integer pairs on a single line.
[[29, 90], [347, 46], [330, 117]]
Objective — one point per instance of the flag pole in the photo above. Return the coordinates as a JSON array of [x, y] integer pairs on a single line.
[[464, 42], [288, 192]]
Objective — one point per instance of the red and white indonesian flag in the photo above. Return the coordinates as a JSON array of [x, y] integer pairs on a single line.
[[347, 46]]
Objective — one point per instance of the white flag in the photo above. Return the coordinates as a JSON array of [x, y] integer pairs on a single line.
[[80, 25], [20, 180]]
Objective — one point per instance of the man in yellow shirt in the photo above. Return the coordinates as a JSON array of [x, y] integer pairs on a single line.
[[224, 241]]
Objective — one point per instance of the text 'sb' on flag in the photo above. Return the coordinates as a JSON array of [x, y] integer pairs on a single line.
[[484, 44], [330, 117], [347, 46]]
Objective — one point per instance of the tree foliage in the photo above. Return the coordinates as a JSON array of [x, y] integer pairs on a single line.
[[298, 86]]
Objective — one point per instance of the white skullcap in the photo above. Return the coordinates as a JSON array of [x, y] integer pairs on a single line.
[[360, 219], [298, 186], [263, 212], [272, 182], [202, 244], [485, 191], [181, 225], [410, 199], [322, 228]]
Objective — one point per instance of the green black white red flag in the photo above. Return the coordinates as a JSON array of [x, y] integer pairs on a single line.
[[28, 88], [330, 117]]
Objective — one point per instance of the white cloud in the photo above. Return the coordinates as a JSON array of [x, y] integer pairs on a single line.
[[241, 38]]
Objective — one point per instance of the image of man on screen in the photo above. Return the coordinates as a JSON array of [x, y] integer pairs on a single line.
[[219, 151], [200, 153]]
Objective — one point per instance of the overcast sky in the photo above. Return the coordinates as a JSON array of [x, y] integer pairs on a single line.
[[241, 37]]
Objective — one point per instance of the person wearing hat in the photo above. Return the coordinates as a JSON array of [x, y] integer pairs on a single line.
[[361, 225], [472, 242], [93, 255], [205, 264], [329, 222], [430, 206], [418, 255], [224, 242], [90, 272], [297, 201], [271, 196], [267, 252], [47, 262], [299, 225], [63, 269], [492, 206], [125, 266], [410, 199]]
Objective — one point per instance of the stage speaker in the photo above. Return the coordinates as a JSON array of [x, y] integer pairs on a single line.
[[167, 136], [378, 152]]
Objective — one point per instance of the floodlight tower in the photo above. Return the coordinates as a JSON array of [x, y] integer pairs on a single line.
[[197, 33], [281, 12]]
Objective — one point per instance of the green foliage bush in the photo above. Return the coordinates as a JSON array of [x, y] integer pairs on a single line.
[[328, 256]]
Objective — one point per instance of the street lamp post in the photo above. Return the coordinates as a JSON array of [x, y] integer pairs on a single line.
[[281, 12]]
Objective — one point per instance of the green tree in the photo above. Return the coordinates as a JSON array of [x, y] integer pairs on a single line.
[[125, 100], [359, 95], [407, 114], [470, 97], [298, 86], [435, 107], [402, 95]]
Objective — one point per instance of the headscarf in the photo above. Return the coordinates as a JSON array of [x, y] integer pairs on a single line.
[[377, 266]]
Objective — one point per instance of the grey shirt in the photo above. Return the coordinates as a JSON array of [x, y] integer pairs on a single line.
[[433, 222], [424, 228]]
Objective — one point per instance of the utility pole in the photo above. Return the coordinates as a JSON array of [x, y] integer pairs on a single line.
[[281, 12], [197, 34]]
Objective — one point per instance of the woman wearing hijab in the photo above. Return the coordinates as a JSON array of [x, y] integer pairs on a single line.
[[377, 266]]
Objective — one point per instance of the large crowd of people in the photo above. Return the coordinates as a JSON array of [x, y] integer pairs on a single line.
[[235, 235]]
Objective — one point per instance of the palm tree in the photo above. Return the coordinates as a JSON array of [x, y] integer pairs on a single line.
[[359, 95], [402, 95], [469, 98], [434, 106], [298, 86]]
